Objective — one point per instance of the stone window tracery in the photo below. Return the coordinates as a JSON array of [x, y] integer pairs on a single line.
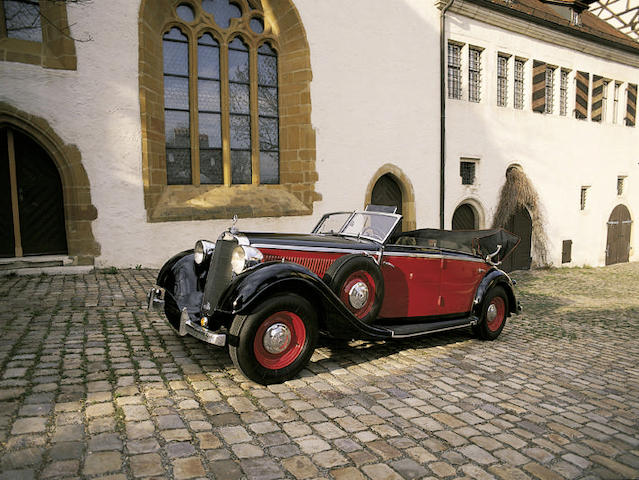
[[220, 97]]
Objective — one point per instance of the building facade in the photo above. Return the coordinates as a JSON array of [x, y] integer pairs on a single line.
[[128, 130]]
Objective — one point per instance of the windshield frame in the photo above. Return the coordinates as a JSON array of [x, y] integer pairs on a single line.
[[397, 218]]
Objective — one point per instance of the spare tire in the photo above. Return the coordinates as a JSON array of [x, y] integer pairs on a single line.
[[358, 282]]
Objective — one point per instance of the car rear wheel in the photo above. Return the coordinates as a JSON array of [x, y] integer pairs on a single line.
[[358, 282], [494, 314], [275, 342]]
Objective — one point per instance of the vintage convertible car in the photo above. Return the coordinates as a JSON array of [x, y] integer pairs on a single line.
[[268, 296]]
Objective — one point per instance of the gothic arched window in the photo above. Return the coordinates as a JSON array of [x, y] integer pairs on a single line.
[[220, 96]]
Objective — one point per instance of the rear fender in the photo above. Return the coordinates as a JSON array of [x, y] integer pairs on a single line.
[[273, 278], [494, 278]]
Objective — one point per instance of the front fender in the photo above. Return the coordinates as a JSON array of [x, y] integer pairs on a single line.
[[272, 278], [493, 278]]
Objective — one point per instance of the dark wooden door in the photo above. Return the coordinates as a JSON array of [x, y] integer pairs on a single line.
[[387, 192], [521, 225], [464, 218], [7, 243], [37, 190], [618, 243]]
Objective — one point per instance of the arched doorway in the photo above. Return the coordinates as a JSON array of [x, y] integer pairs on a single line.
[[618, 243], [31, 200], [387, 192], [520, 224], [465, 218]]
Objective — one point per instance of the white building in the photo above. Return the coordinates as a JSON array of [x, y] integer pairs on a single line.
[[154, 122]]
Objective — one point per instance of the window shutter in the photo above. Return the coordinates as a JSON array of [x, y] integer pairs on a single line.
[[539, 86], [597, 98], [631, 105], [581, 99]]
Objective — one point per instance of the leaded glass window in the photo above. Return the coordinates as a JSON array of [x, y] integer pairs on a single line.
[[22, 20], [474, 74], [454, 71], [549, 89], [563, 93], [518, 97], [220, 96], [502, 80]]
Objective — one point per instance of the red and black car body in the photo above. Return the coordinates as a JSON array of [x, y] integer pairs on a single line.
[[268, 296]]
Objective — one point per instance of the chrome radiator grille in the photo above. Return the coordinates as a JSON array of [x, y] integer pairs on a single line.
[[219, 276]]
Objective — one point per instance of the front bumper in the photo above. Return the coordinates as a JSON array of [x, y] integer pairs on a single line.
[[155, 301]]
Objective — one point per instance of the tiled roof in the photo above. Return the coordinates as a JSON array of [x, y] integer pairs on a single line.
[[592, 27]]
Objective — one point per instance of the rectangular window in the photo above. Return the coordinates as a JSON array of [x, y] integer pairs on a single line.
[[620, 185], [454, 71], [467, 172], [563, 93], [502, 80], [615, 103], [21, 20], [474, 74], [518, 96], [583, 196], [549, 90]]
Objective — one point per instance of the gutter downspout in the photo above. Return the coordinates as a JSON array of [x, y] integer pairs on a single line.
[[442, 111]]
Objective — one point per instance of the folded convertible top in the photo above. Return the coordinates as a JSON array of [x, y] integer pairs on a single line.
[[475, 242]]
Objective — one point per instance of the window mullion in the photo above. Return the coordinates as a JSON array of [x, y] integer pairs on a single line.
[[194, 117], [255, 137], [225, 104]]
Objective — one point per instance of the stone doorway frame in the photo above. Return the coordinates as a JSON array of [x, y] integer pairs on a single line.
[[79, 212]]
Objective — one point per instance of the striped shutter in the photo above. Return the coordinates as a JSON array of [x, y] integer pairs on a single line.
[[539, 86], [597, 98], [631, 105], [581, 99]]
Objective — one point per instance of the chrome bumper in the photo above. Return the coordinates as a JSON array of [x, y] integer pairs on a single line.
[[155, 301]]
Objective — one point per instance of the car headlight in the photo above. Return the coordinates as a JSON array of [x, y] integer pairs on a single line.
[[202, 251], [244, 257]]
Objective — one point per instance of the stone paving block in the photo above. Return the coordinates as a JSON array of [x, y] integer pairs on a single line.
[[380, 471], [300, 467], [146, 465], [29, 425], [62, 468], [102, 462]]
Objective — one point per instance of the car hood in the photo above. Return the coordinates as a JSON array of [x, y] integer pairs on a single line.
[[306, 240]]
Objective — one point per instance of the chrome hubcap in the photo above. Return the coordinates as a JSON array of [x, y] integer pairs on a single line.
[[276, 338], [358, 295], [491, 313]]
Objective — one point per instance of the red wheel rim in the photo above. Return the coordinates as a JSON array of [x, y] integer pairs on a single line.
[[360, 276], [290, 351], [500, 313]]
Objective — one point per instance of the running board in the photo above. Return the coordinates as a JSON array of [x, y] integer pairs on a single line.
[[416, 329]]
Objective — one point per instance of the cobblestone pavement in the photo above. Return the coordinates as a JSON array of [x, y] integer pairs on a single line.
[[92, 385]]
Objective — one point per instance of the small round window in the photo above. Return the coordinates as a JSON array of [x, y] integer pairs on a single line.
[[185, 12], [257, 25]]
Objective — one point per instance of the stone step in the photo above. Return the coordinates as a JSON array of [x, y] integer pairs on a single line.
[[54, 270], [39, 264]]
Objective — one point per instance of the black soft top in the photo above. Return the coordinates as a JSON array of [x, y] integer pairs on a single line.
[[475, 242]]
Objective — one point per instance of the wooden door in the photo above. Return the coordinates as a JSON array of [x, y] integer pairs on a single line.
[[464, 218], [387, 192], [618, 243], [34, 213], [521, 225]]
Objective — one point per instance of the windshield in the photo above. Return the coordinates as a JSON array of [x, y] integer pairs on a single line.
[[370, 225]]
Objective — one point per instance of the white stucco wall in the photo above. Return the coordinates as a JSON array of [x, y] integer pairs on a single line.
[[375, 100], [370, 98], [559, 154]]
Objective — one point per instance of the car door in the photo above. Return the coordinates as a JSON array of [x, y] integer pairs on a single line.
[[460, 276], [412, 275]]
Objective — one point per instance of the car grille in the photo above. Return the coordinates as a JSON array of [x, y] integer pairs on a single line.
[[316, 265], [219, 276]]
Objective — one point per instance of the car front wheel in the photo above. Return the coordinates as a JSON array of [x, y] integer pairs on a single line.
[[494, 314], [276, 341]]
